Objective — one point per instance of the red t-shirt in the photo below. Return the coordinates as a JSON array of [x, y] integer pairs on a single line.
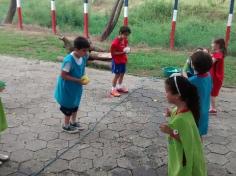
[[217, 69], [118, 45]]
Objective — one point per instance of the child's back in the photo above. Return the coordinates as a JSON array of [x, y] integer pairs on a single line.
[[185, 157], [203, 83], [202, 63]]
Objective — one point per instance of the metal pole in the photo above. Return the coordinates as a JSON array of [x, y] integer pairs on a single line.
[[18, 5], [229, 23], [126, 3], [173, 25], [53, 14], [86, 33]]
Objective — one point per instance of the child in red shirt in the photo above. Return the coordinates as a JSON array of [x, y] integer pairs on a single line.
[[119, 51], [217, 70]]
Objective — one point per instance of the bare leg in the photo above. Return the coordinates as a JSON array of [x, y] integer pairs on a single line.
[[114, 81], [73, 117], [121, 78], [213, 103], [67, 120]]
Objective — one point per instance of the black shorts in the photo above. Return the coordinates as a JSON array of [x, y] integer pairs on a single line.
[[68, 111]]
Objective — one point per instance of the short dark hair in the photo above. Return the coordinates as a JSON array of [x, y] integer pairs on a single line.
[[125, 29], [202, 61], [81, 43]]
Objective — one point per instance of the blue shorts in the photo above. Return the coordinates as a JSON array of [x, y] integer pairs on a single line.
[[118, 68]]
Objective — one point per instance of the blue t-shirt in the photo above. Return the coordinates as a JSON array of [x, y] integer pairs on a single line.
[[68, 93], [204, 86]]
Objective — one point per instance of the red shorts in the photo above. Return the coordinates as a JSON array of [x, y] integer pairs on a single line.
[[216, 88]]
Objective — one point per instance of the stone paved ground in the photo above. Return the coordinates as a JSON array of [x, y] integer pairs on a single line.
[[125, 142]]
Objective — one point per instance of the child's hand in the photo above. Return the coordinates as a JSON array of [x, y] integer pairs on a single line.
[[185, 74], [167, 112], [165, 128], [85, 80], [126, 50]]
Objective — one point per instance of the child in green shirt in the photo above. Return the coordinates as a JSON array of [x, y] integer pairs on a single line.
[[185, 152], [3, 122]]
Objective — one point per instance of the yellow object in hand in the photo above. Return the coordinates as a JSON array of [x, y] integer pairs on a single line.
[[85, 80]]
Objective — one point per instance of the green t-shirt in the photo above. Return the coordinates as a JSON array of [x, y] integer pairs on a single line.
[[3, 122], [185, 157]]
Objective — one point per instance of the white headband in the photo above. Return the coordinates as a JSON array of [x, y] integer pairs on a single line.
[[176, 85]]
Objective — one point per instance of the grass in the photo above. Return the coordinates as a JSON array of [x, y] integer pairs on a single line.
[[198, 22], [48, 47]]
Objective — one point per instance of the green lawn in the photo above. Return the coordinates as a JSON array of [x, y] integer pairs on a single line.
[[48, 47]]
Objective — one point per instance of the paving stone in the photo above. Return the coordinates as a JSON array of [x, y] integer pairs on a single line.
[[135, 126], [125, 163], [109, 134], [216, 158], [9, 167], [91, 153], [58, 166], [141, 171], [127, 137], [57, 144], [161, 171], [31, 166], [116, 126], [216, 148], [48, 135], [35, 145], [141, 142], [26, 137], [45, 154], [81, 164], [218, 140], [21, 155], [216, 170], [105, 163], [120, 172], [231, 166], [8, 138], [232, 146]]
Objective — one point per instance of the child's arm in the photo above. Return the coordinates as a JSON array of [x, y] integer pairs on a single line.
[[66, 76], [114, 52], [214, 59], [167, 112], [185, 68], [166, 129]]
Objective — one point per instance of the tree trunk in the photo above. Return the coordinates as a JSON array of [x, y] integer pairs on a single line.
[[113, 20], [96, 53], [11, 12]]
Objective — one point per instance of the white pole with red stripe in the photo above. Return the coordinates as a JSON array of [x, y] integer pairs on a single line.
[[229, 23], [20, 21], [86, 33], [126, 3], [53, 14], [173, 25]]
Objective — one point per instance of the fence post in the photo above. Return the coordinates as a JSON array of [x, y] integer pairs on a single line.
[[53, 14], [229, 23], [173, 25], [18, 5], [86, 33], [126, 12]]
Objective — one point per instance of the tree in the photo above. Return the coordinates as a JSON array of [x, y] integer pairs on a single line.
[[113, 19], [11, 12]]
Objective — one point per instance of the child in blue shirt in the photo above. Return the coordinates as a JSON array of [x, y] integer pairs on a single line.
[[201, 63], [69, 86]]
